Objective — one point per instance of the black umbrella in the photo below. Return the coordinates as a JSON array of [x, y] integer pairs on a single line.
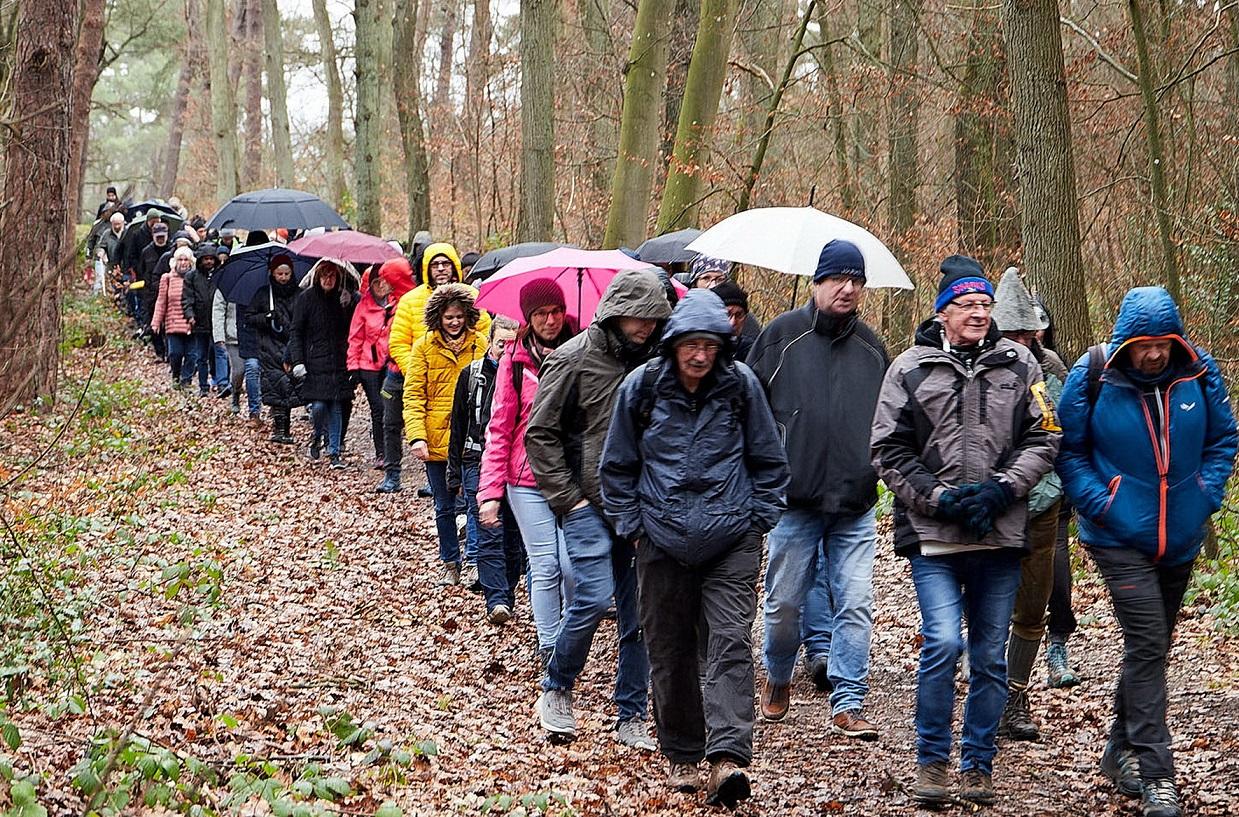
[[246, 270], [669, 248], [277, 207], [489, 263]]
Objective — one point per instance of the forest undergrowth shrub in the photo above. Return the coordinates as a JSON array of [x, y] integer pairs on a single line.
[[1215, 581]]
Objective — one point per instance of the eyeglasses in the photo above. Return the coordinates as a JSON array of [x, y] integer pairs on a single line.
[[695, 346], [440, 264], [972, 306]]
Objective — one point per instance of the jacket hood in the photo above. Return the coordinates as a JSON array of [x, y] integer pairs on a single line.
[[448, 294], [1014, 307], [441, 248], [698, 311], [398, 273], [1146, 312], [635, 293], [350, 272]]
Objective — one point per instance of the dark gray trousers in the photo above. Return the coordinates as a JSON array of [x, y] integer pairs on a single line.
[[393, 422]]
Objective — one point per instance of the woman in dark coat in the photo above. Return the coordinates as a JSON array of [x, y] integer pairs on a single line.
[[318, 349], [270, 317]]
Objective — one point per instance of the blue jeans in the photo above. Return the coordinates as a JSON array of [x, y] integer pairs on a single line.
[[793, 547], [979, 587], [499, 555], [550, 578], [198, 357], [253, 385], [602, 568], [178, 346], [445, 512], [328, 419], [818, 613], [223, 369]]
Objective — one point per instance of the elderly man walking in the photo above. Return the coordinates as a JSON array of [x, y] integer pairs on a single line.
[[693, 474], [822, 368], [1149, 443], [963, 431]]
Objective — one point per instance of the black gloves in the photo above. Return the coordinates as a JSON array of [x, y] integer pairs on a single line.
[[950, 503], [983, 505]]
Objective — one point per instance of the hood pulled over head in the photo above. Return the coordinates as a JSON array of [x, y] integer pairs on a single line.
[[437, 249], [635, 293], [700, 312]]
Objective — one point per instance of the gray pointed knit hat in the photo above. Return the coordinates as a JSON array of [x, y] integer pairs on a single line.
[[1014, 307]]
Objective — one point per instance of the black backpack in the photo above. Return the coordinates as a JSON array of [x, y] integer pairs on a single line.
[[1096, 365]]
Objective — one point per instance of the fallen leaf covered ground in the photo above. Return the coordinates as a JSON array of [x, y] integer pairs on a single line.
[[239, 606]]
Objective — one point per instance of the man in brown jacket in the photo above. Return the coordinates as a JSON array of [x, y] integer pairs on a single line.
[[963, 430]]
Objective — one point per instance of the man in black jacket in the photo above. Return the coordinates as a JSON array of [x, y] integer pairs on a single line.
[[822, 369]]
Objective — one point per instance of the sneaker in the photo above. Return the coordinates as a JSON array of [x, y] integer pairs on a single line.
[[337, 463], [203, 392], [235, 409], [1060, 675], [1016, 722], [224, 391], [852, 723], [776, 699], [499, 614], [449, 575], [683, 777], [818, 668], [462, 526], [635, 734], [931, 782], [389, 485], [469, 576], [1160, 798], [555, 715], [284, 438], [1123, 768], [728, 784], [977, 787]]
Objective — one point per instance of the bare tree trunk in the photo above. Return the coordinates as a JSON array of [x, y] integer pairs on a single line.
[[1157, 159], [335, 106], [368, 121], [85, 74], [598, 96], [223, 109], [904, 172], [36, 174], [477, 78], [277, 96], [702, 89], [685, 25], [1050, 223], [447, 45], [250, 86], [407, 82], [535, 220], [828, 63]]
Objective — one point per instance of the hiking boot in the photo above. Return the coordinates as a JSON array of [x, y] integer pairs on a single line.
[[977, 787], [728, 784], [555, 715], [224, 391], [776, 699], [235, 409], [389, 485], [635, 734], [449, 575], [337, 463], [818, 668], [1123, 768], [683, 777], [852, 723], [499, 614], [469, 576], [1061, 675], [316, 448], [1016, 722], [1160, 798], [424, 492], [931, 782]]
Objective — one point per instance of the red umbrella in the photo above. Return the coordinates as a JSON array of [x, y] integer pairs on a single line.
[[347, 245]]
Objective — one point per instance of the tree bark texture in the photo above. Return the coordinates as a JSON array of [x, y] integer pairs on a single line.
[[904, 172], [180, 104], [277, 94], [477, 80], [1157, 158], [702, 89], [535, 218], [828, 63], [368, 120], [251, 87], [1049, 218], [223, 108], [447, 46], [36, 176], [599, 98], [685, 25], [407, 83], [85, 74], [336, 187]]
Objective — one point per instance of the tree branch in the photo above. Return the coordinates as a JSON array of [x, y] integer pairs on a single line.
[[1101, 52]]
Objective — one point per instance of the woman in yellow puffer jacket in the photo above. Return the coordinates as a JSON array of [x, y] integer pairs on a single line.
[[452, 341]]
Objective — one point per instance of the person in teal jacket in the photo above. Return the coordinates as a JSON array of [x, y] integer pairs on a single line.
[[1148, 444]]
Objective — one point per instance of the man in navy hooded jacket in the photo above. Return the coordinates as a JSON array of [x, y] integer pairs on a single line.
[[1145, 456]]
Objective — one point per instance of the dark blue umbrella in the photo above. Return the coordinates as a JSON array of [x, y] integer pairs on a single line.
[[489, 263], [274, 208], [669, 248], [247, 270]]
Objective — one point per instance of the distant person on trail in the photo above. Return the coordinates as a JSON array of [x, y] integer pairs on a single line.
[[110, 201], [1148, 444], [736, 302], [698, 535], [400, 339], [225, 337], [270, 316], [506, 473], [963, 431], [135, 241], [567, 428], [451, 342], [381, 289], [149, 273], [199, 293], [169, 318]]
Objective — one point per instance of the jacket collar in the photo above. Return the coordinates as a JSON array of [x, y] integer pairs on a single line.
[[833, 328]]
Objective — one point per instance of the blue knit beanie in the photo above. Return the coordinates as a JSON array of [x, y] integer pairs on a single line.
[[960, 276], [840, 257]]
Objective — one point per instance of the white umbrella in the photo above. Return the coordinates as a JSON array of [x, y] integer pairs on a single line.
[[790, 239]]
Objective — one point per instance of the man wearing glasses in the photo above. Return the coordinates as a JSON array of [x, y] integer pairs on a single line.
[[963, 430]]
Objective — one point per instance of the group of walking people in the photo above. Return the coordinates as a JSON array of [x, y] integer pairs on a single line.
[[640, 466]]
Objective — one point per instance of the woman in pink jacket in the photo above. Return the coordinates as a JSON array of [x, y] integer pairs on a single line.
[[170, 318], [505, 467], [381, 289]]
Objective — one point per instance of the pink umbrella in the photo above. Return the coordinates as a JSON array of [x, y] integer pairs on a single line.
[[583, 275], [348, 245]]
